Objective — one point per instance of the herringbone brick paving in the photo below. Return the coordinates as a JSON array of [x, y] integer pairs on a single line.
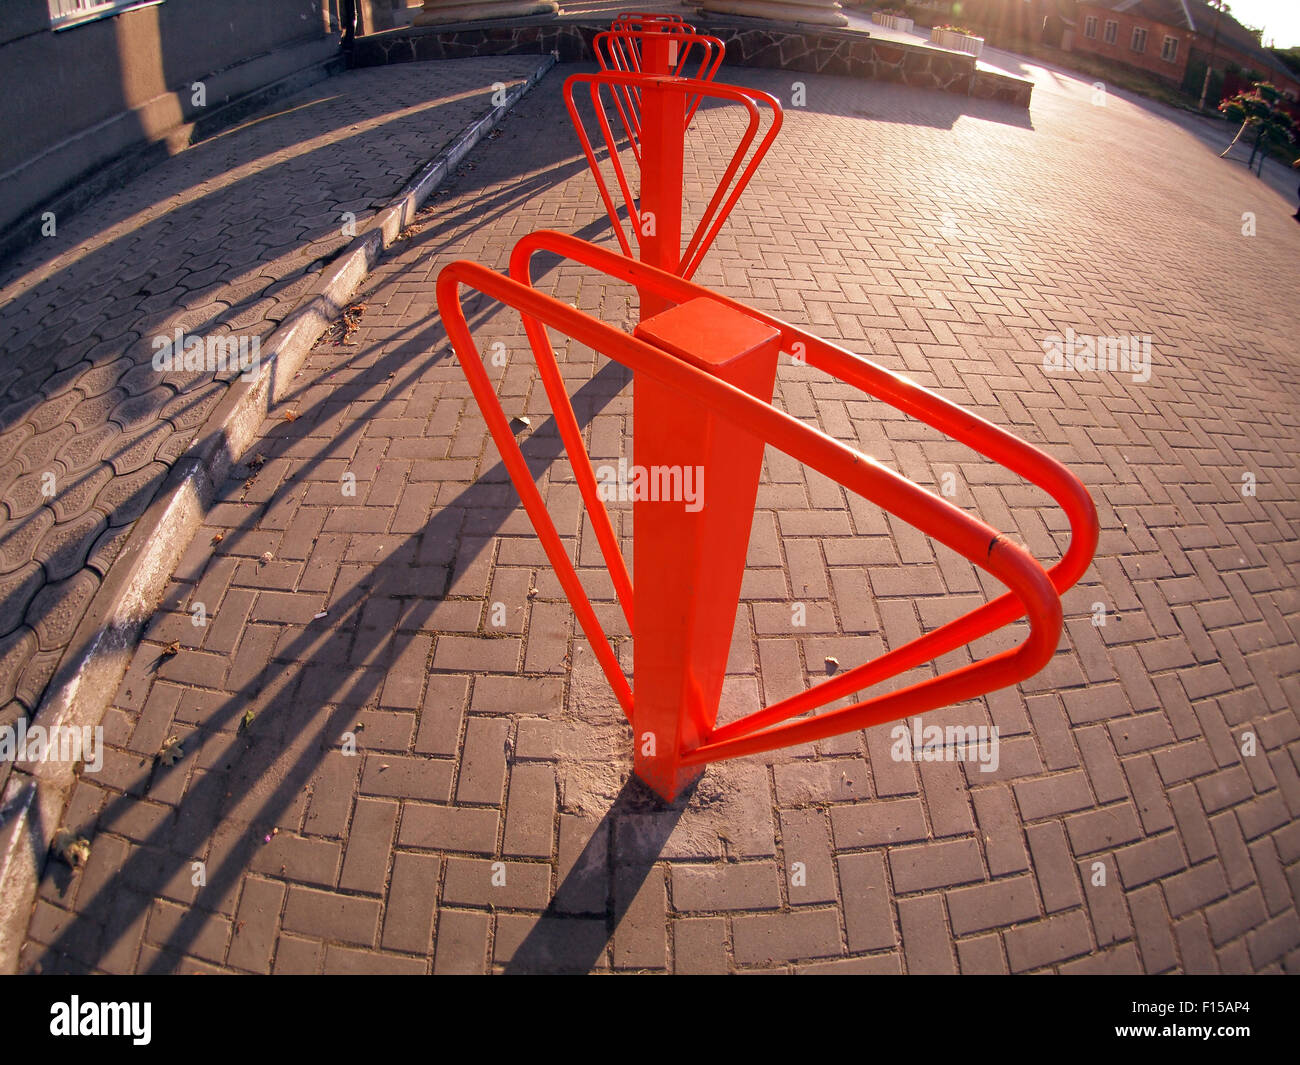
[[221, 239], [486, 820]]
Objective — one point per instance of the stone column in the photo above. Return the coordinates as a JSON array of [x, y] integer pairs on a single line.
[[817, 12], [439, 11]]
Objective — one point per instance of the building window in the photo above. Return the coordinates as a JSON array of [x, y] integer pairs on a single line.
[[1139, 42], [1111, 31], [67, 13], [1090, 27], [1169, 50]]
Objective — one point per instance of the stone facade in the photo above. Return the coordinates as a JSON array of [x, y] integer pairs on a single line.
[[804, 49]]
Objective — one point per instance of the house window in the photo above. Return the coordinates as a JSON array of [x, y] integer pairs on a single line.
[[1111, 31], [1169, 50], [1139, 42], [1090, 27], [67, 13]]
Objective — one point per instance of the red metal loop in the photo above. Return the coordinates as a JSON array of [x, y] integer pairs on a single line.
[[620, 51], [644, 26], [718, 209], [632, 20], [1033, 592]]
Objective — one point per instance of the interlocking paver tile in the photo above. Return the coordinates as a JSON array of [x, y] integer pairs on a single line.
[[786, 936], [461, 942], [700, 945], [927, 945], [331, 916], [409, 915], [747, 886]]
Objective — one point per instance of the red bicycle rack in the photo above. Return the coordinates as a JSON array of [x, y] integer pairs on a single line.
[[643, 56], [657, 217], [704, 371], [619, 51], [642, 20], [635, 30]]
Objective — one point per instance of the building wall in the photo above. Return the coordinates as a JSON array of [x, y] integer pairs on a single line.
[[1188, 42], [1225, 54], [77, 98], [1122, 52]]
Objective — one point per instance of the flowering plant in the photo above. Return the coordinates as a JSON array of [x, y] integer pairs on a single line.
[[1258, 110]]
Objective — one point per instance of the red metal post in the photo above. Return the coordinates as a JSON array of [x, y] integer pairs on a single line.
[[689, 554], [655, 48], [663, 113], [663, 134]]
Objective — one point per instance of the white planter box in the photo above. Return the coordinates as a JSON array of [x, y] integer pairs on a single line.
[[957, 42], [893, 22]]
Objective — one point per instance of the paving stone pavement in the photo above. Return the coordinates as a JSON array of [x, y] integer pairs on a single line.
[[221, 239], [384, 771]]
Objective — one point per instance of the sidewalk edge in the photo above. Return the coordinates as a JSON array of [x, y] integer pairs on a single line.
[[36, 794]]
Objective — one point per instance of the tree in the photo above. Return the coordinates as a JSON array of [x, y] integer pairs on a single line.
[[1288, 56], [1220, 9]]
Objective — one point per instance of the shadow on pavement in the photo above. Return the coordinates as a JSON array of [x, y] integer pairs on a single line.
[[255, 775], [603, 882], [202, 254], [878, 100]]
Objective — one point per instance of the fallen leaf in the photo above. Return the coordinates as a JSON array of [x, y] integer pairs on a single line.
[[172, 649], [351, 322], [73, 849], [247, 719], [291, 416], [218, 537], [266, 557], [171, 751]]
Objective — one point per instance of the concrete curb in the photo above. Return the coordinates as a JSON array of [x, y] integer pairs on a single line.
[[97, 658]]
